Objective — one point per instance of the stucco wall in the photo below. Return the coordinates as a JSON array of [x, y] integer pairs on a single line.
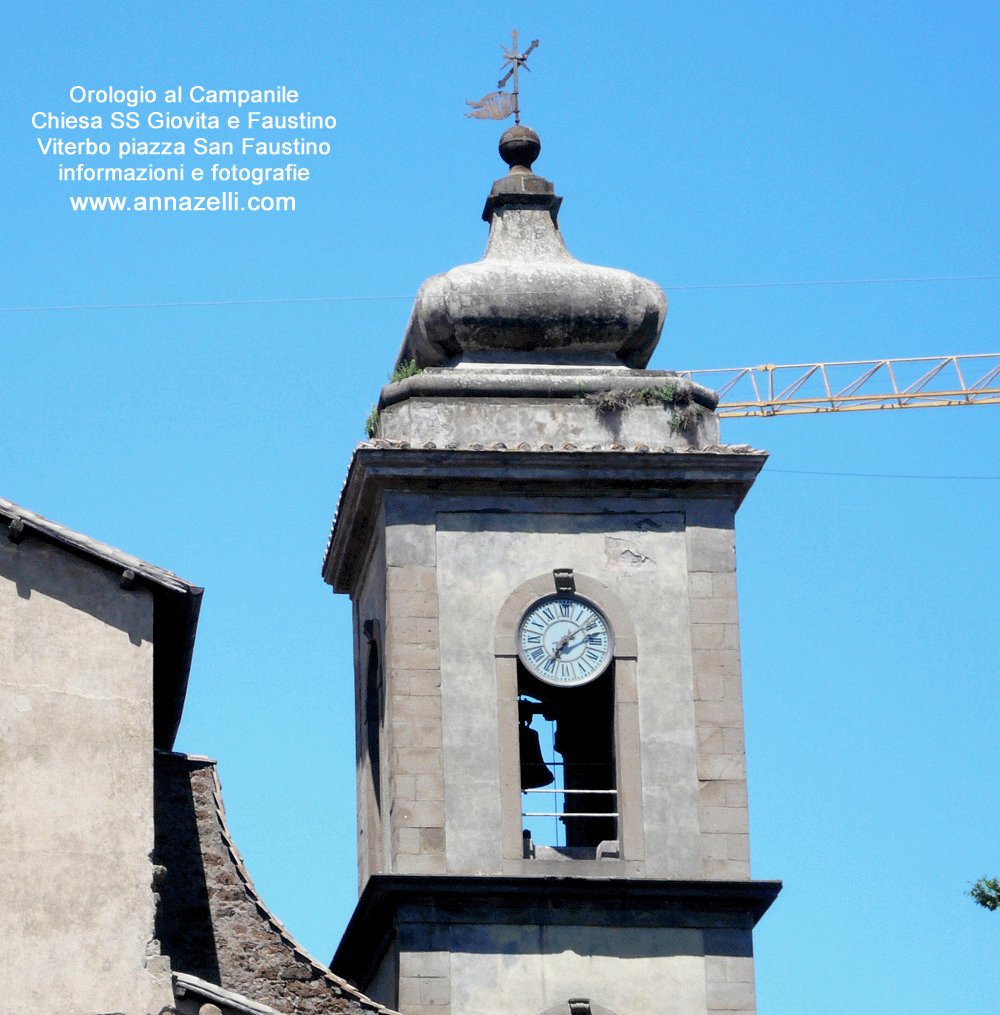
[[524, 970], [76, 788], [641, 557]]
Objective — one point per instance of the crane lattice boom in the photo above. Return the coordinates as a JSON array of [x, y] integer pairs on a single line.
[[856, 385]]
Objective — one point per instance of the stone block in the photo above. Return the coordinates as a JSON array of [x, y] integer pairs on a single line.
[[734, 740], [700, 585], [414, 707], [714, 611], [709, 636], [737, 996], [733, 684], [729, 870], [409, 542], [404, 787], [431, 787], [435, 990], [724, 585], [626, 688], [709, 688], [417, 761], [425, 682], [718, 713], [712, 794], [728, 969], [710, 740], [432, 840], [422, 863], [424, 964], [413, 604], [420, 814], [738, 845], [731, 636], [412, 579], [722, 766], [406, 840], [714, 846], [723, 819], [409, 989], [736, 794], [415, 630], [413, 657], [416, 735], [720, 662], [711, 549]]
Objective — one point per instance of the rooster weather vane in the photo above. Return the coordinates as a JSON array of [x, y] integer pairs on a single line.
[[499, 105]]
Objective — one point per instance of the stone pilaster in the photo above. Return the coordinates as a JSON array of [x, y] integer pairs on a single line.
[[414, 722], [718, 703]]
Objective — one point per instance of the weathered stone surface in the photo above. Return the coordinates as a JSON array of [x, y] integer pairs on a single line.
[[469, 413], [529, 295], [212, 923]]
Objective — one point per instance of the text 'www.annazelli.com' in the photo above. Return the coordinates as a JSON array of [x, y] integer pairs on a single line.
[[227, 201]]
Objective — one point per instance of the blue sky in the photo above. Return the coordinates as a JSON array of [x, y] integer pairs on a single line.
[[693, 144]]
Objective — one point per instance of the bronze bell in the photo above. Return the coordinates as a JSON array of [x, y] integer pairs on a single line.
[[534, 772]]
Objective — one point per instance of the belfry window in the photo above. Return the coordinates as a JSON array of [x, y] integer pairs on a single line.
[[374, 709], [567, 765]]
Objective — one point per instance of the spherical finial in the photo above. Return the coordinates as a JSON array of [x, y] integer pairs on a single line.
[[519, 147]]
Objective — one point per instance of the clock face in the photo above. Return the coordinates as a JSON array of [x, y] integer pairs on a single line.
[[565, 641]]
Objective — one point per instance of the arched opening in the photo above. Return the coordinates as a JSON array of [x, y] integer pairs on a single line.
[[568, 743], [567, 764]]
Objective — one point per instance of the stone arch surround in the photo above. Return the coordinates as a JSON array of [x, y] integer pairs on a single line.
[[628, 773]]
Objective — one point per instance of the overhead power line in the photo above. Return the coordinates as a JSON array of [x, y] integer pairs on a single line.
[[868, 475], [353, 299]]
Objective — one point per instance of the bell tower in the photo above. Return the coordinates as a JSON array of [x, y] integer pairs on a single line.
[[538, 541]]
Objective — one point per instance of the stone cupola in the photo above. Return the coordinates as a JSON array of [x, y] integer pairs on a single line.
[[529, 300]]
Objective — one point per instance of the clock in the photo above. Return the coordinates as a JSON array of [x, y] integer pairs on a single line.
[[565, 640]]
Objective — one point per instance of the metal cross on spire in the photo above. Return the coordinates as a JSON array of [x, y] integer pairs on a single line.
[[499, 105]]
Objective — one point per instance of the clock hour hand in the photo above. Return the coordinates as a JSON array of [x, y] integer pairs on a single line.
[[564, 641]]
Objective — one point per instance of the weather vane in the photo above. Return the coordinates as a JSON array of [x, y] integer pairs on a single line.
[[499, 105]]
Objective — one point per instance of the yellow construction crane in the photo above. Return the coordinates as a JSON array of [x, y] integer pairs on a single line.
[[855, 385]]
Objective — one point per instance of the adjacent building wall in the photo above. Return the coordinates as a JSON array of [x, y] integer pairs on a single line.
[[76, 788]]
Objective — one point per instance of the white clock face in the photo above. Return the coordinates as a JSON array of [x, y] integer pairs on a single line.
[[565, 641]]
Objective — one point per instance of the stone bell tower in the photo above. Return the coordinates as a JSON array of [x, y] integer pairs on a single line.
[[538, 543]]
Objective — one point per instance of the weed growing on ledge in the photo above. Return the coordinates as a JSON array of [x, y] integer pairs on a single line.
[[664, 393], [686, 418], [371, 423], [408, 368]]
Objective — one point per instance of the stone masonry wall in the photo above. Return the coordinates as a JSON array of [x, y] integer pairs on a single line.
[[414, 726]]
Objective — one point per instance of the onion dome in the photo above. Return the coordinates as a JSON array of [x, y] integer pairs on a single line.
[[529, 300]]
